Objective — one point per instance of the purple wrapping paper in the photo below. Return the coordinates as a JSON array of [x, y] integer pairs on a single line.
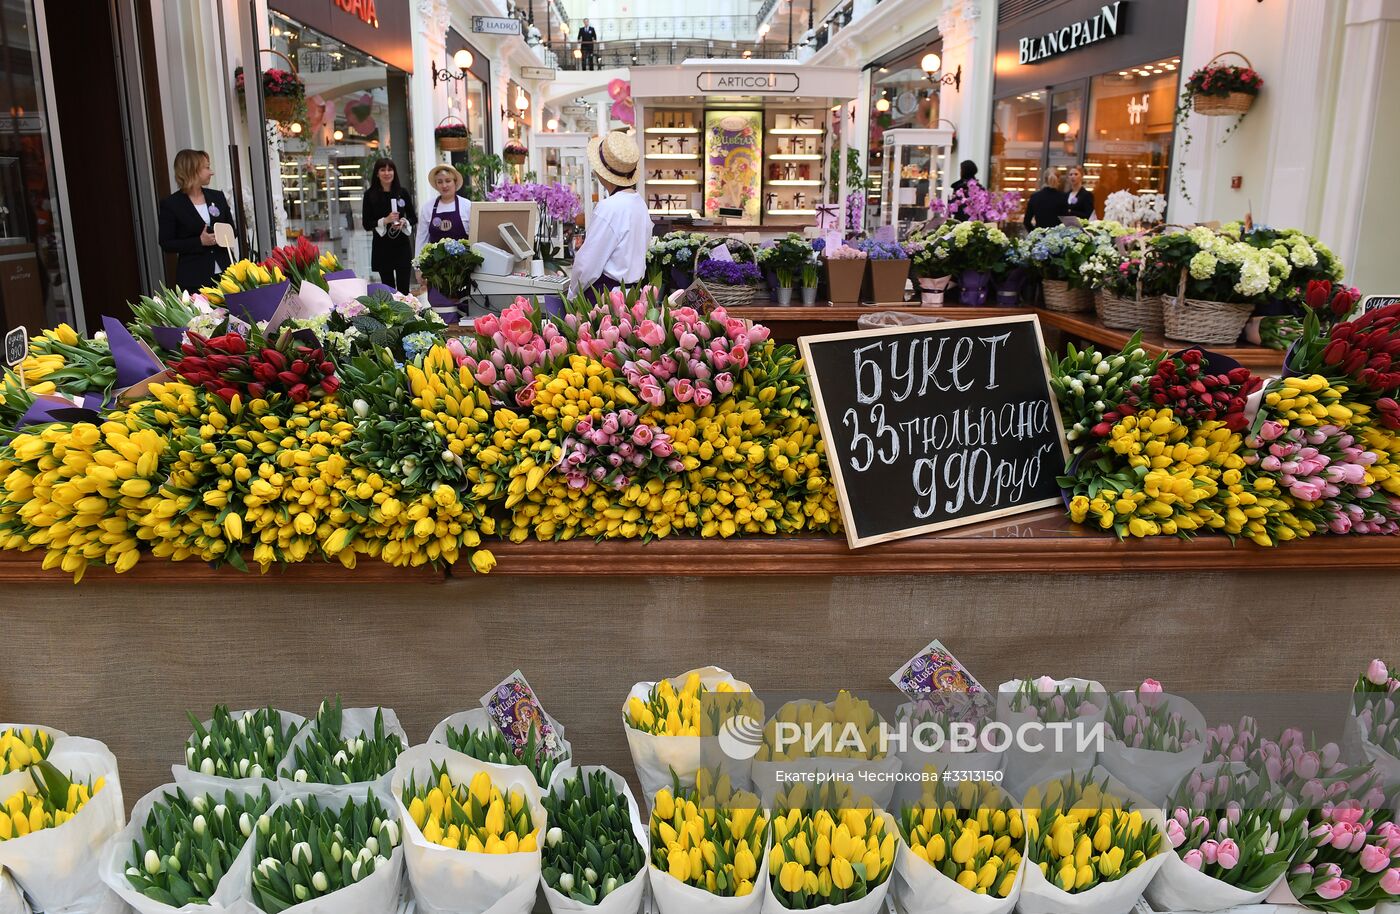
[[257, 304], [134, 364], [340, 274], [169, 337], [54, 409], [98, 402], [379, 287]]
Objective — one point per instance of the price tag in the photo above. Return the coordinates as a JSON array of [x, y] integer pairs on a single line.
[[16, 346]]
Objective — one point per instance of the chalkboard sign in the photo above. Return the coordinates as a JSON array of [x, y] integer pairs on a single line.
[[1372, 303], [16, 346], [936, 425]]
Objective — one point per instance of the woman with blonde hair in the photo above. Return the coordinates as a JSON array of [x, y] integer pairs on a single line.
[[446, 215], [187, 219]]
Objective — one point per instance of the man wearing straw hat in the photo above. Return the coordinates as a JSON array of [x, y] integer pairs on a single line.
[[615, 250]]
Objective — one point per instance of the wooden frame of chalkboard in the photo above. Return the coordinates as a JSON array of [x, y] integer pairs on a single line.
[[1027, 394]]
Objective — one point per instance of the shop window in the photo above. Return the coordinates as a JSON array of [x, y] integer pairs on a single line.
[[1018, 144], [900, 96], [1130, 130], [1066, 126]]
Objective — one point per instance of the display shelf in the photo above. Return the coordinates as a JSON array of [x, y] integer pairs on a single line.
[[27, 568], [792, 212], [671, 182], [673, 131], [792, 182], [794, 157], [797, 131], [674, 156], [674, 212]]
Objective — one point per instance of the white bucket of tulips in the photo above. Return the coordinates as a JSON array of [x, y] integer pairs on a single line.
[[682, 879], [1070, 708], [475, 734], [673, 727], [838, 741], [1375, 718], [971, 862], [1231, 839], [934, 747], [837, 861], [188, 848], [327, 855], [1154, 740], [21, 745], [1100, 843], [238, 748], [71, 807], [342, 752], [472, 832], [595, 851]]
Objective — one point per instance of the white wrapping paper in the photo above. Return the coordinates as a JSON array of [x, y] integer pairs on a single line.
[[873, 903], [1150, 773], [629, 898], [231, 896], [920, 888], [479, 719], [57, 867], [448, 881], [185, 777], [11, 901], [1025, 769], [672, 896], [1178, 887], [353, 722], [655, 757]]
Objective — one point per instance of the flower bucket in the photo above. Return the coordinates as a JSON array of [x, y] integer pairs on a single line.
[[887, 279], [973, 287], [784, 295], [280, 108], [933, 290], [1009, 287], [809, 295], [845, 277]]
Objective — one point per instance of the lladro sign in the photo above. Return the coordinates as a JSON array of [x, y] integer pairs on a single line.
[[1105, 24]]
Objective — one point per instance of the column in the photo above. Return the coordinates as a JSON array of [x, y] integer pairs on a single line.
[[968, 29], [429, 103], [1362, 195]]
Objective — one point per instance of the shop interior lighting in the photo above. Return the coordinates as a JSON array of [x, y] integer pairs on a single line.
[[882, 105], [295, 128], [338, 135], [1063, 128], [551, 125]]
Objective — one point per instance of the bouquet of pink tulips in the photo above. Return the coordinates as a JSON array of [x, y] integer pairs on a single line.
[[1326, 464], [1355, 863], [1309, 774], [1142, 720], [1374, 702]]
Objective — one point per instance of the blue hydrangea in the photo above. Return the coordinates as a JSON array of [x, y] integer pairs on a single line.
[[417, 343], [454, 247]]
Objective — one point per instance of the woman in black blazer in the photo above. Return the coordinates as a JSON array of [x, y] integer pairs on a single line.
[[1046, 205], [1080, 199], [187, 220], [390, 214]]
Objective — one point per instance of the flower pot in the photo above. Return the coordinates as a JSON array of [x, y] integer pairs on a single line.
[[1232, 105], [845, 277], [973, 286], [1009, 287], [809, 295], [280, 107], [887, 279], [784, 295], [933, 290], [447, 307], [680, 278]]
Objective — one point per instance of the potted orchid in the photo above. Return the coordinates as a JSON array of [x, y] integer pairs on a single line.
[[558, 205], [975, 203], [889, 269]]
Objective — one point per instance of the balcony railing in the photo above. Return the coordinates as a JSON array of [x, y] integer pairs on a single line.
[[665, 51]]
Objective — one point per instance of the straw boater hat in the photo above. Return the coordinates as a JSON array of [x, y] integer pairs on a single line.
[[615, 157]]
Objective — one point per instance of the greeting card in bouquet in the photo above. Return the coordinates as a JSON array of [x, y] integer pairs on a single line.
[[935, 670], [513, 707]]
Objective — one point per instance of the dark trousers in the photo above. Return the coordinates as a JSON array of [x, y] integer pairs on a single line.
[[399, 275], [590, 59]]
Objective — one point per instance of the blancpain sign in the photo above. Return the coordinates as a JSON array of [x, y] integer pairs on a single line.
[[1074, 36]]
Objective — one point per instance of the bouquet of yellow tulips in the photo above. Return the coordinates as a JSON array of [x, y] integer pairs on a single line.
[[473, 832], [243, 276], [822, 739], [959, 842], [1089, 849], [840, 857], [708, 848], [673, 726], [22, 746]]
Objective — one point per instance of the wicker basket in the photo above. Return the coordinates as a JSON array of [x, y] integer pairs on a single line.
[[1196, 320], [727, 296], [1130, 313], [281, 108], [1060, 297], [1232, 105], [452, 143]]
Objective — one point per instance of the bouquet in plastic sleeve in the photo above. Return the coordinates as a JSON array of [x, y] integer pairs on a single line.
[[1089, 849], [1354, 863], [1374, 710], [473, 733], [962, 850], [838, 859], [342, 751], [1154, 739], [845, 736], [242, 745], [595, 851], [1231, 838], [473, 837], [187, 850], [708, 848], [327, 855], [673, 726], [1087, 383], [945, 735], [1071, 711], [21, 747]]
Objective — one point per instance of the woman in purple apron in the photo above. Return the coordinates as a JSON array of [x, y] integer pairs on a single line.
[[444, 216]]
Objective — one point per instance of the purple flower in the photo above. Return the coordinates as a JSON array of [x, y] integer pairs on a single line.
[[728, 273]]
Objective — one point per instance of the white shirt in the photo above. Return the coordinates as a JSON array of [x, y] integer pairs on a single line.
[[616, 243], [203, 209], [425, 218]]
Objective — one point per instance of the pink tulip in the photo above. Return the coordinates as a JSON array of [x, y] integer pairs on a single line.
[[1390, 882], [724, 382], [1209, 850], [1150, 686], [1193, 859], [1376, 673], [1228, 854], [650, 333], [1333, 889], [1374, 858], [703, 396], [1176, 836], [1308, 766]]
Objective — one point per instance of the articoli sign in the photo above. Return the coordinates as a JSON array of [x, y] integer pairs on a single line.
[[712, 81], [1105, 24]]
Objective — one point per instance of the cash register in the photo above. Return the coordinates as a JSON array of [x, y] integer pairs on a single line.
[[502, 234]]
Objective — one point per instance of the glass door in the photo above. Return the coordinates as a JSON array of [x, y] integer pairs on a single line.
[[1066, 139]]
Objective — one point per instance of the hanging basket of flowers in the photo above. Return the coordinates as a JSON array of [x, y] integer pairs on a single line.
[[1224, 90], [515, 152], [451, 134], [284, 94]]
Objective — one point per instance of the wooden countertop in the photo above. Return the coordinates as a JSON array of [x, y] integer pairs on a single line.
[[1041, 542]]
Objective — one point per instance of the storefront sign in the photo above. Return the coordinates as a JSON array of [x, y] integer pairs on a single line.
[[1106, 24], [25, 123], [538, 72], [495, 25], [934, 426], [733, 162], [711, 81], [576, 111], [361, 8]]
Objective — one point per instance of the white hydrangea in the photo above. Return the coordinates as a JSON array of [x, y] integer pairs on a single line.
[[1203, 265], [1203, 238]]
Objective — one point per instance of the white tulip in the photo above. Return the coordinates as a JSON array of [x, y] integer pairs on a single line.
[[553, 836], [206, 766], [245, 824], [300, 776], [319, 882], [152, 862], [566, 883], [200, 825], [590, 875], [301, 852]]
